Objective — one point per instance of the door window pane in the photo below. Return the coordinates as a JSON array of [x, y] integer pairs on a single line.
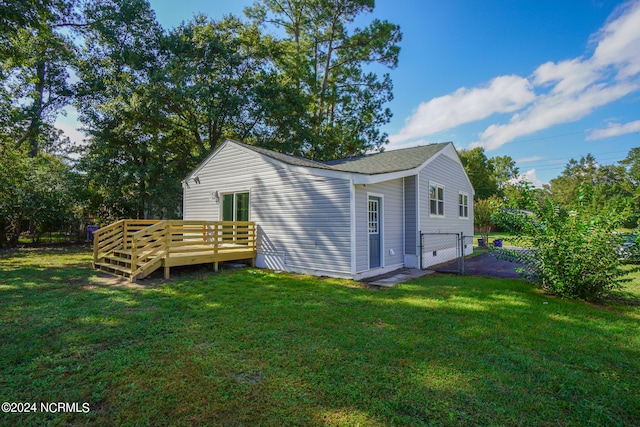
[[373, 216], [242, 207], [235, 207], [227, 207]]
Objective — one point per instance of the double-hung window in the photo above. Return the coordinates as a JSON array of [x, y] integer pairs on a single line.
[[463, 205], [436, 199]]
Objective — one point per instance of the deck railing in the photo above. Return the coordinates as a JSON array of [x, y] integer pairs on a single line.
[[151, 243], [117, 236]]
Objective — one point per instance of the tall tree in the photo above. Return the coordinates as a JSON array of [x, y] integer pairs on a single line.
[[37, 51], [125, 161], [328, 62], [214, 82], [564, 188], [632, 163], [632, 166], [611, 186], [481, 172], [505, 170]]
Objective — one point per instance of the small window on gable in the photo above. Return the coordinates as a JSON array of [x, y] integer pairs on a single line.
[[436, 199], [463, 205]]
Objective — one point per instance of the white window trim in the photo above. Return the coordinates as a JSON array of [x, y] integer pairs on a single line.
[[444, 206], [462, 193]]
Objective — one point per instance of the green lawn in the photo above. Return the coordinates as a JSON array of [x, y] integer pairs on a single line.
[[252, 347]]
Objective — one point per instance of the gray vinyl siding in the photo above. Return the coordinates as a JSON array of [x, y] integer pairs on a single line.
[[410, 219], [450, 174], [392, 218], [303, 219]]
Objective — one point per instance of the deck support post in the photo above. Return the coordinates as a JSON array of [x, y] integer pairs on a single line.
[[166, 271]]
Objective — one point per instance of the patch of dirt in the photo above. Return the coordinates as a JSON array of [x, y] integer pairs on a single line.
[[248, 378], [103, 279]]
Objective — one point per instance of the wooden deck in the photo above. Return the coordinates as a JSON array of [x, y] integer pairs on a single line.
[[136, 248]]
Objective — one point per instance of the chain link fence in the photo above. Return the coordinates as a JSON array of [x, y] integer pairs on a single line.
[[445, 248]]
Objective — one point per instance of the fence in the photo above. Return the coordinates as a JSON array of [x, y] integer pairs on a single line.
[[71, 232], [441, 248]]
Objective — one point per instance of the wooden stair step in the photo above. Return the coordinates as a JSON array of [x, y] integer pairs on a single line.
[[122, 253], [117, 258], [105, 266], [117, 261]]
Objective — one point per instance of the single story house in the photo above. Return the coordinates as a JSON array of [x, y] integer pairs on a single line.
[[352, 218]]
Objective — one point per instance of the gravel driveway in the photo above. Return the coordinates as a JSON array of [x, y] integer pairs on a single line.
[[481, 265]]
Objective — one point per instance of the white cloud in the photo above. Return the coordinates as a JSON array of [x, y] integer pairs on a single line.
[[68, 123], [555, 93], [530, 159], [614, 129], [532, 177], [553, 109], [73, 133], [504, 94], [619, 40]]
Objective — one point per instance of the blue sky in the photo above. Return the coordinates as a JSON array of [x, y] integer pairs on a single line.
[[539, 81]]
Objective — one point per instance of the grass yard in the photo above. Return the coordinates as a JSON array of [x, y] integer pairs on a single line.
[[252, 347]]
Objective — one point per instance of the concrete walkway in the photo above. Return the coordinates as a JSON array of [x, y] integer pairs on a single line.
[[479, 265], [391, 279]]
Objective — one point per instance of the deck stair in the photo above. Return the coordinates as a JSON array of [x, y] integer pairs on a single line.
[[136, 248]]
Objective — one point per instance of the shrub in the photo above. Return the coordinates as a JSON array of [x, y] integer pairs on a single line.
[[573, 254], [483, 213]]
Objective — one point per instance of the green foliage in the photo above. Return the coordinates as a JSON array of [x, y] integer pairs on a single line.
[[481, 172], [611, 185], [484, 211], [34, 77], [216, 83], [43, 189], [323, 61], [132, 167], [520, 195], [574, 252]]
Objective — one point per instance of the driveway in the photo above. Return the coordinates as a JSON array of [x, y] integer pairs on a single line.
[[481, 265]]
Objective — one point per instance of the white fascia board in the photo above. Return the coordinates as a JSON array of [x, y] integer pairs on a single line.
[[449, 151], [360, 178], [356, 178]]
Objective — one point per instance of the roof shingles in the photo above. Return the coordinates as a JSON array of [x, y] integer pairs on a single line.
[[370, 164]]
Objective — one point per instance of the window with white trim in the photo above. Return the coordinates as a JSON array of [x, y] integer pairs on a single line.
[[463, 205], [436, 199]]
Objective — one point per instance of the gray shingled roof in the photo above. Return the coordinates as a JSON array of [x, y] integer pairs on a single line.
[[370, 164], [388, 161]]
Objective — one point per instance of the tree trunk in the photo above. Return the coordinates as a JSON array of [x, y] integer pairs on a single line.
[[36, 119], [3, 233]]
